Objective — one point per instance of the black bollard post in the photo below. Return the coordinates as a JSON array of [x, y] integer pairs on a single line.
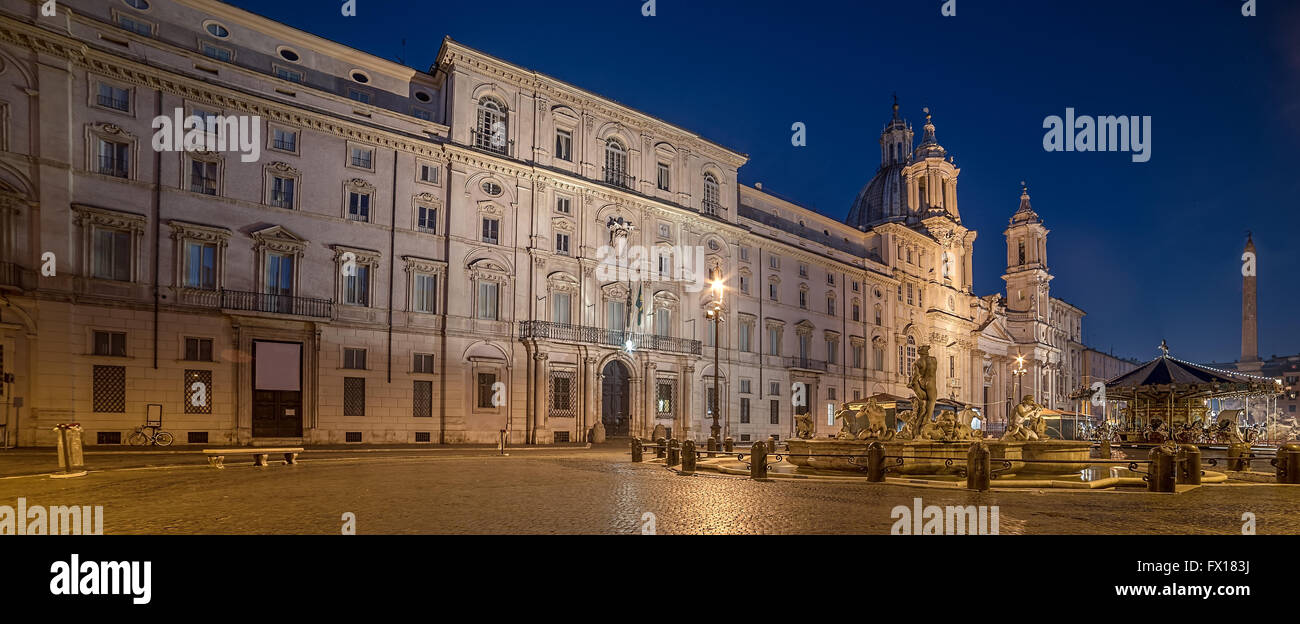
[[771, 443], [757, 461], [688, 457], [728, 444], [876, 462], [1236, 453], [1160, 472], [979, 467], [1189, 465], [636, 450], [1288, 463], [661, 448], [674, 453], [713, 446]]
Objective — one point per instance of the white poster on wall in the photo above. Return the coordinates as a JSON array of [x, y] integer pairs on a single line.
[[278, 366]]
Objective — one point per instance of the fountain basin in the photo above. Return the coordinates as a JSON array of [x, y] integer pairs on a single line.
[[930, 457]]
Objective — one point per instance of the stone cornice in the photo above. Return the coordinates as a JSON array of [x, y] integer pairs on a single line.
[[150, 77], [454, 53]]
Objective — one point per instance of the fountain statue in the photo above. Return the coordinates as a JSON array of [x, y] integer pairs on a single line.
[[925, 390], [1026, 421], [803, 426], [867, 423]]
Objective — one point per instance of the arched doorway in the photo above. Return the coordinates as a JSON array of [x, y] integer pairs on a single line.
[[616, 414]]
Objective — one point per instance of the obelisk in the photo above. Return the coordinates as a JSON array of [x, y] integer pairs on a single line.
[[1249, 312]]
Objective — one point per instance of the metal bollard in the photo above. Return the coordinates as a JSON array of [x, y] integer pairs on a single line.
[[1105, 449], [757, 461], [876, 462], [979, 467], [661, 450], [771, 443], [674, 453], [688, 457], [728, 444], [636, 450], [1236, 453], [713, 446], [1160, 473], [1288, 463], [1189, 465]]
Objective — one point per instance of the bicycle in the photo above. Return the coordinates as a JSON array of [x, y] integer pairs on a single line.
[[150, 435]]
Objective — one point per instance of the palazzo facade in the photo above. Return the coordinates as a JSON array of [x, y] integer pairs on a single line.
[[424, 256]]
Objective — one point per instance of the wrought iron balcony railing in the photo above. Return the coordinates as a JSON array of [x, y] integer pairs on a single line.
[[607, 337], [492, 143], [806, 364], [258, 302], [620, 178]]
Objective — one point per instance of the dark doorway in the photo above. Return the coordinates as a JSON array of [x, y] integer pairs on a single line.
[[615, 414], [277, 389]]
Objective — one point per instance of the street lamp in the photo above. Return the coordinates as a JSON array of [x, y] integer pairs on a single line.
[[715, 314], [1019, 371]]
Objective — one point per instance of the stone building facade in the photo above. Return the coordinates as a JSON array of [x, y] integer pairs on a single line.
[[440, 256]]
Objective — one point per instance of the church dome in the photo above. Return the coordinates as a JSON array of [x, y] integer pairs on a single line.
[[880, 199]]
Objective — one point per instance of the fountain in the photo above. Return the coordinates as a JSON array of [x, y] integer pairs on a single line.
[[936, 444]]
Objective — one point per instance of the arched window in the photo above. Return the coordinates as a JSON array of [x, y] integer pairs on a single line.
[[712, 196], [923, 200], [907, 355], [492, 131], [616, 163]]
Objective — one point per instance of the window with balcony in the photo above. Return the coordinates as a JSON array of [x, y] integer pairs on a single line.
[[616, 164], [362, 158], [561, 305], [712, 195], [282, 191], [359, 206], [284, 140], [491, 131], [114, 158], [204, 176], [426, 219]]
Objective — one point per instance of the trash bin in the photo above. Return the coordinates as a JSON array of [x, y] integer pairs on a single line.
[[70, 452]]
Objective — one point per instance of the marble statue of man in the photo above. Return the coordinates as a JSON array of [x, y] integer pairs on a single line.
[[924, 387], [1021, 418]]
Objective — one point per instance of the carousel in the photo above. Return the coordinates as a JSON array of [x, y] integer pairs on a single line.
[[1169, 399]]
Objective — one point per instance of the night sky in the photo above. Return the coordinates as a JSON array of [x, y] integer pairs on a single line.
[[1149, 250]]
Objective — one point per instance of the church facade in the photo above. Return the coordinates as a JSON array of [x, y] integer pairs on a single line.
[[454, 255]]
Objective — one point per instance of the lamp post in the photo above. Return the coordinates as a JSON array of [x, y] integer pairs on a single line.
[[715, 314], [1019, 371]]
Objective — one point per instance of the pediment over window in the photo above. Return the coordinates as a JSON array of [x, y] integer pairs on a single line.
[[617, 291], [278, 238], [424, 265], [182, 230], [488, 269], [103, 217], [362, 256], [562, 281], [562, 225], [805, 327], [666, 299], [283, 168]]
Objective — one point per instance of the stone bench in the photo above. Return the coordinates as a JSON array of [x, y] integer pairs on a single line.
[[217, 456]]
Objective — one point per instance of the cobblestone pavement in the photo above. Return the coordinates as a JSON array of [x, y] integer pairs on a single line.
[[592, 491]]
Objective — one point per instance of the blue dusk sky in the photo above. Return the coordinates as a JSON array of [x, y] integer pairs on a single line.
[[1149, 250]]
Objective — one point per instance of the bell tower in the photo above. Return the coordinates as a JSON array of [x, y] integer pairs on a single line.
[[1027, 277]]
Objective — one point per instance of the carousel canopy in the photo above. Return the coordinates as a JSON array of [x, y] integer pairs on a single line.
[[1167, 375]]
